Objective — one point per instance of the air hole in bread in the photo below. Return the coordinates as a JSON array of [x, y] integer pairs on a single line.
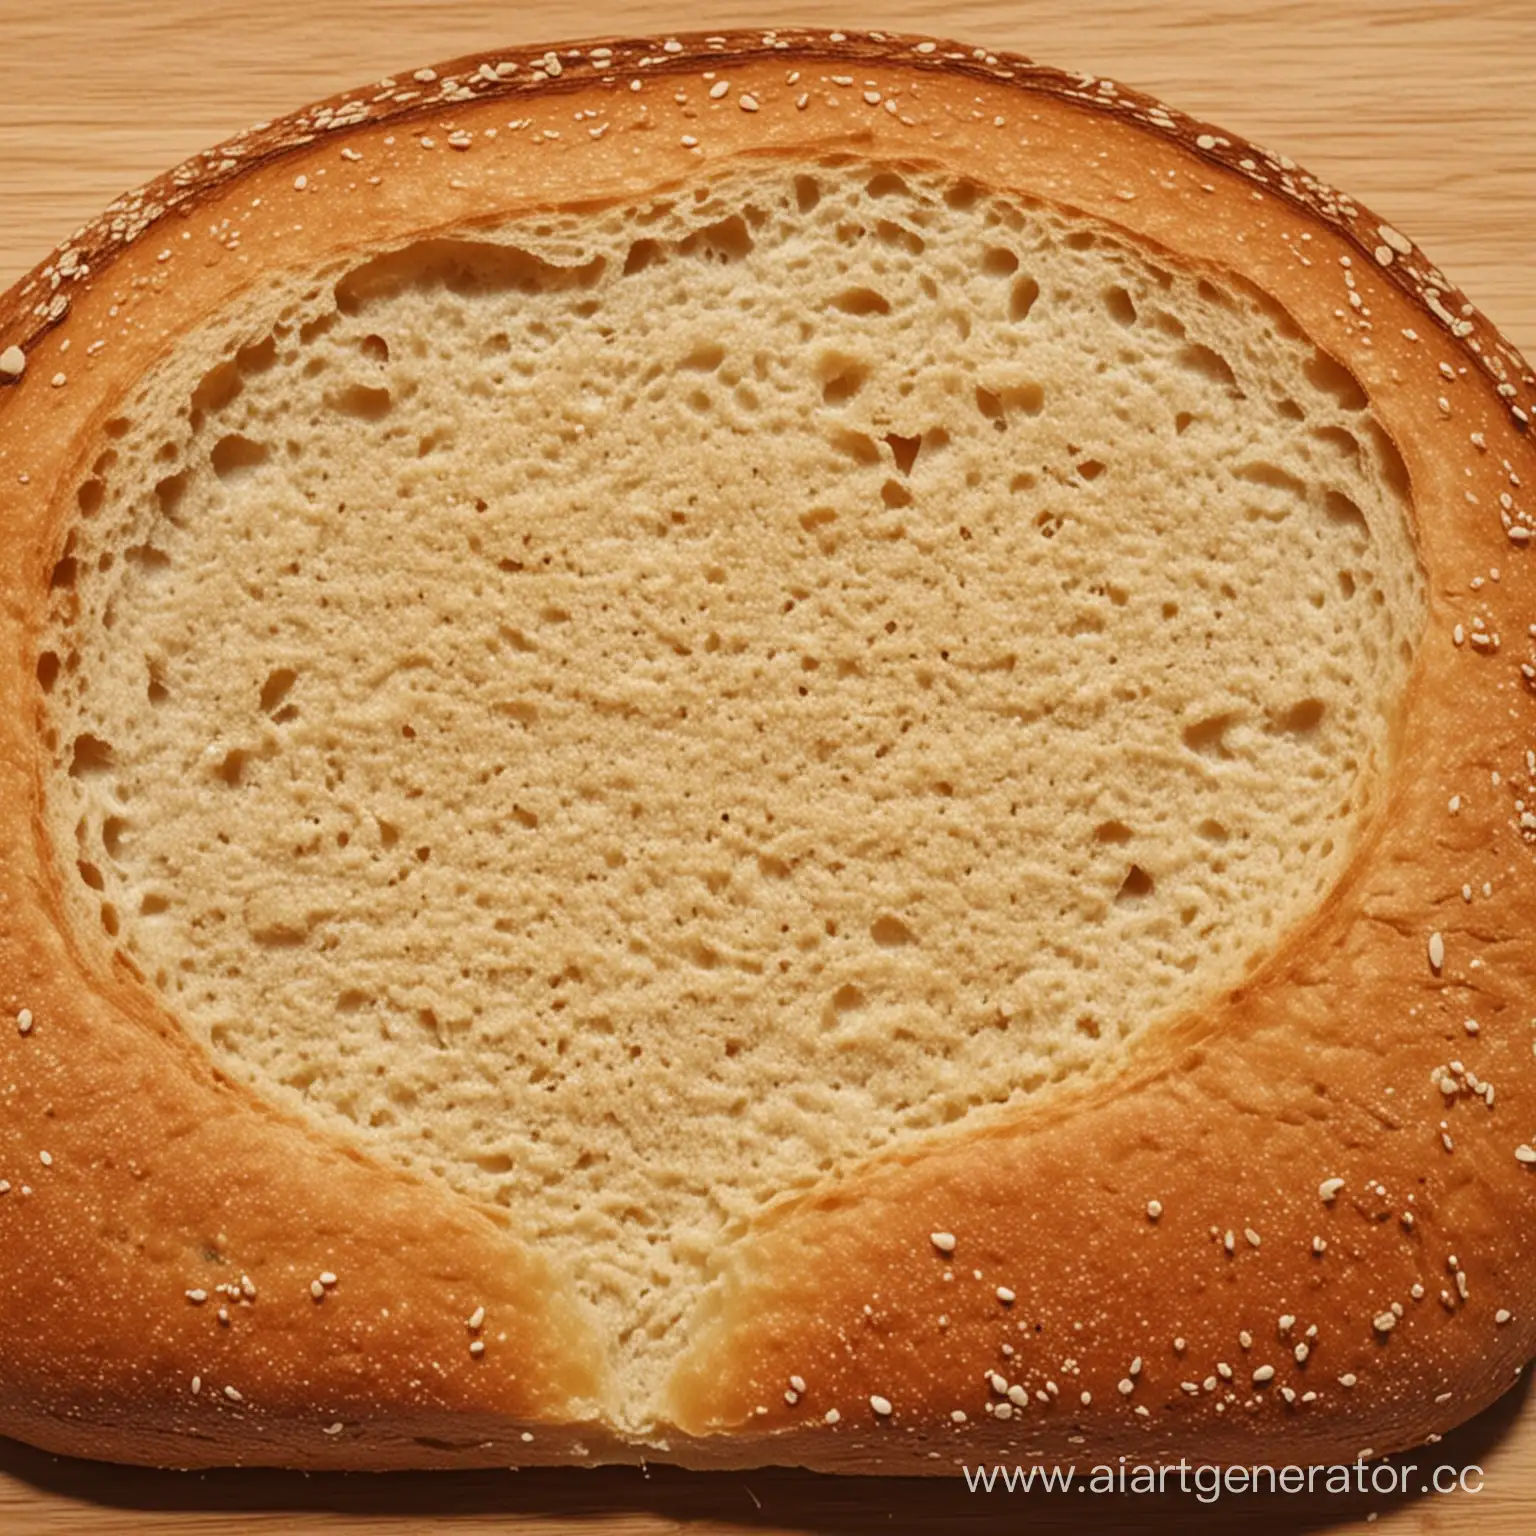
[[861, 301], [366, 402], [1022, 297], [1209, 364], [1303, 718], [1332, 378], [218, 388], [728, 240], [889, 932], [234, 456], [276, 688], [1344, 510], [1274, 477], [89, 757], [1115, 832], [1119, 303], [1208, 737], [842, 377], [89, 497], [899, 235], [1342, 441]]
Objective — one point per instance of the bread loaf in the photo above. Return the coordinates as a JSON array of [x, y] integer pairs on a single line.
[[786, 748]]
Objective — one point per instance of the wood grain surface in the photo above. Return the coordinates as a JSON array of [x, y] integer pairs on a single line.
[[1423, 109]]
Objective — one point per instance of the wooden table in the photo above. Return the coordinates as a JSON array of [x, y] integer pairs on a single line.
[[1425, 109]]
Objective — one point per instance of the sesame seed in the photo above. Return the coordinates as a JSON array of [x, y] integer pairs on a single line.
[[477, 1347], [327, 1278], [1525, 1154], [688, 141], [747, 103], [46, 1159], [317, 1290], [1085, 1398], [957, 1416], [1329, 1188], [1019, 1396], [943, 1241], [719, 89], [1437, 950], [1229, 1242], [1384, 1322], [1252, 1236], [1301, 1352], [197, 1385], [59, 380], [1154, 1209], [1502, 1316], [998, 1384], [1348, 1379], [233, 1395], [1127, 1386], [1263, 1374], [300, 182], [13, 362], [1005, 1296], [24, 1018], [197, 1297], [333, 1429], [881, 1405], [831, 1416]]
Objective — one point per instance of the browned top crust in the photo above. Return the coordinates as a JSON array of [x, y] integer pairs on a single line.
[[1298, 1218]]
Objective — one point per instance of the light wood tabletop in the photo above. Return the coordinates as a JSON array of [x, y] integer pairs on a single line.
[[1423, 109]]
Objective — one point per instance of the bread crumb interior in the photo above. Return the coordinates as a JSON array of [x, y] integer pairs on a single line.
[[631, 711]]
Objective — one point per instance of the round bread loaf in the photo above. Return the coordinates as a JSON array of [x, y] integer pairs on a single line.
[[783, 748]]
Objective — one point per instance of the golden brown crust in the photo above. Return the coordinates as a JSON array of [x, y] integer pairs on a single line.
[[1321, 1067]]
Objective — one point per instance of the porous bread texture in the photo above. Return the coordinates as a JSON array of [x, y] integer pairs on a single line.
[[634, 711]]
